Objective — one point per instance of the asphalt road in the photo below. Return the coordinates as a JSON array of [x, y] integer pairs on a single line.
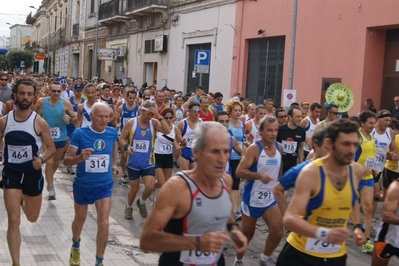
[[64, 181]]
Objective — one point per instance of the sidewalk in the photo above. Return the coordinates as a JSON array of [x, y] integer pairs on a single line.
[[48, 241]]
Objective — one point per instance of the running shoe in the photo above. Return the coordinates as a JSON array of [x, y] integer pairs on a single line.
[[238, 263], [74, 258], [237, 216], [267, 262], [142, 209], [153, 196], [70, 170], [124, 179], [51, 195], [128, 213]]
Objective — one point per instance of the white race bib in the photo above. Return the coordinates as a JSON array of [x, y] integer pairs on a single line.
[[315, 245], [141, 146], [166, 147], [261, 197], [19, 154], [197, 257], [126, 119], [97, 163], [289, 147], [55, 132], [369, 163]]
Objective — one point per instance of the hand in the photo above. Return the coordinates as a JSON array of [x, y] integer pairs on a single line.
[[86, 153], [240, 241], [67, 119], [183, 142], [395, 156], [154, 111], [213, 241], [115, 171], [338, 235], [265, 178], [359, 237], [37, 163], [129, 151]]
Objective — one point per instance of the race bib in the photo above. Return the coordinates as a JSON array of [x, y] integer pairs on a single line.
[[197, 257], [166, 147], [19, 154], [369, 163], [315, 245], [261, 197], [126, 119], [289, 147], [141, 146], [55, 132], [97, 163]]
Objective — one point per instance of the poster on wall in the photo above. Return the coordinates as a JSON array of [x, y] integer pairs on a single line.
[[289, 97], [107, 54]]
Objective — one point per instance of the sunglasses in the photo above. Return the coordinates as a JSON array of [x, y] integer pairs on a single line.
[[281, 116], [304, 103], [4, 79], [146, 99], [168, 117], [55, 91], [195, 111], [297, 116], [334, 113]]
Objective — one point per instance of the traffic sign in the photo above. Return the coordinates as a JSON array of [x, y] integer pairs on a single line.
[[201, 61]]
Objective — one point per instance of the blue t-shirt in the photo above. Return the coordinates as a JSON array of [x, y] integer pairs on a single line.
[[97, 170], [289, 178]]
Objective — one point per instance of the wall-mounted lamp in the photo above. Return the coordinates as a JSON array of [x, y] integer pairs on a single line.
[[260, 31]]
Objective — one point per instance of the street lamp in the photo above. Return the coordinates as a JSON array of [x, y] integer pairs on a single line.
[[20, 33], [48, 40]]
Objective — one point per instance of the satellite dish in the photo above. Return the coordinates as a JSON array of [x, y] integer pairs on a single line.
[[3, 51], [340, 95]]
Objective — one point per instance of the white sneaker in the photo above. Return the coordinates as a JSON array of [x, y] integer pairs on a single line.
[[153, 196]]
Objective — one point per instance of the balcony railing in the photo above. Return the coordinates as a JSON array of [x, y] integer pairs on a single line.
[[111, 9], [75, 30], [30, 19], [133, 5]]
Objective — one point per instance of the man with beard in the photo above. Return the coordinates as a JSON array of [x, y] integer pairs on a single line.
[[24, 132], [324, 197], [58, 113]]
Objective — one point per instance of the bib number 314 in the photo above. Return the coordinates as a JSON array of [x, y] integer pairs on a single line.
[[97, 163]]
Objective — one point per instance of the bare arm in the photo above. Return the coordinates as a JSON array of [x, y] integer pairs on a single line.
[[300, 153], [69, 110], [278, 192], [79, 115], [39, 106], [44, 131], [251, 156], [236, 147], [391, 204]]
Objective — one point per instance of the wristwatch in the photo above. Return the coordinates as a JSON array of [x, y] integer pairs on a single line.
[[43, 160], [160, 118], [360, 226]]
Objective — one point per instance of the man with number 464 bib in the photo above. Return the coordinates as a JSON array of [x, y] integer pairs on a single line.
[[292, 136]]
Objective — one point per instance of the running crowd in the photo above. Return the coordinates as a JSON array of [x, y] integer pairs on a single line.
[[239, 161]]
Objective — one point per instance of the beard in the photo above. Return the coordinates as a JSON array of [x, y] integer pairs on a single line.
[[23, 105], [343, 159]]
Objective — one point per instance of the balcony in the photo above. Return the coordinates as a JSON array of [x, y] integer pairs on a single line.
[[112, 11], [29, 19], [34, 45], [75, 30], [138, 6]]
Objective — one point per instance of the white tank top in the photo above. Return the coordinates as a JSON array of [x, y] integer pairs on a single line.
[[164, 145], [254, 132], [188, 132], [382, 142], [86, 115], [309, 131]]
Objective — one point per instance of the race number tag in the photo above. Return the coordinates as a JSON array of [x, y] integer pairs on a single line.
[[289, 147], [369, 163], [126, 119], [315, 245], [97, 163], [141, 146], [55, 132], [166, 147], [19, 154], [197, 257], [261, 197]]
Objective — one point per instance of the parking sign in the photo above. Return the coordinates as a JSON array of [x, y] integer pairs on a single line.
[[201, 61]]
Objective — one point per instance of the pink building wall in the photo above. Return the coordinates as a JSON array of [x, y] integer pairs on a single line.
[[334, 39]]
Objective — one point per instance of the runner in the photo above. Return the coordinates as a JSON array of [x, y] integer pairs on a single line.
[[281, 116], [309, 123], [199, 91], [217, 102], [205, 115], [331, 115], [250, 114], [251, 129]]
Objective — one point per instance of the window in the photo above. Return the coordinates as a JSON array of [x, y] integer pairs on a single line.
[[92, 2], [149, 46]]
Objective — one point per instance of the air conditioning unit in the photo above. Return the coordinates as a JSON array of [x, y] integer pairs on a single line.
[[121, 51]]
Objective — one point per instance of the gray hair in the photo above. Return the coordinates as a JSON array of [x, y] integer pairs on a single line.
[[266, 119], [98, 105], [200, 132], [148, 104]]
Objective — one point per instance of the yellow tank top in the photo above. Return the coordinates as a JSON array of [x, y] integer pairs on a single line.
[[365, 154], [393, 165], [328, 208]]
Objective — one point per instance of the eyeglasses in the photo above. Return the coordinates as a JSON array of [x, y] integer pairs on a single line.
[[146, 99], [281, 116], [334, 113], [224, 121], [195, 111], [297, 116], [168, 117], [4, 79], [55, 91]]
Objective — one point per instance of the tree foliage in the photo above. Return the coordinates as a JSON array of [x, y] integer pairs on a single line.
[[14, 58]]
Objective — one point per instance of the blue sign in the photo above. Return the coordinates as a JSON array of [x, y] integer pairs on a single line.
[[201, 61], [22, 64]]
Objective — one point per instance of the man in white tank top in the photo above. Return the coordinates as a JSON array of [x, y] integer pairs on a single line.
[[251, 126], [309, 123]]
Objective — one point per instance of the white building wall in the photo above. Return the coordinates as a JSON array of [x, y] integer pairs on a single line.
[[61, 61]]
